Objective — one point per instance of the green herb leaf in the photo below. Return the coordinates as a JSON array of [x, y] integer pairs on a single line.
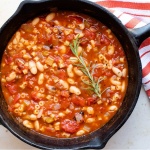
[[91, 82]]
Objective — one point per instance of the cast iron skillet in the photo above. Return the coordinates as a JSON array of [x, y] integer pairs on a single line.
[[130, 41]]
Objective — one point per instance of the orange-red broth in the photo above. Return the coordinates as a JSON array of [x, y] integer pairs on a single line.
[[36, 84]]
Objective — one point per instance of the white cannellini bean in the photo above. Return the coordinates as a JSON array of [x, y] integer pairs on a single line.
[[18, 36], [35, 21], [123, 87], [80, 132], [77, 71], [114, 82], [117, 71], [80, 50], [64, 84], [41, 79], [81, 26], [113, 108], [73, 60], [39, 66], [124, 72], [90, 120], [33, 117], [50, 17], [61, 114], [70, 71], [28, 124], [75, 90], [11, 76], [36, 125], [32, 67]]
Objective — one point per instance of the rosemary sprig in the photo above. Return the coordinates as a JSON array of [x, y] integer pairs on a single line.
[[93, 85]]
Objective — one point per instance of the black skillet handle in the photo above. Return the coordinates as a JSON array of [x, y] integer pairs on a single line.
[[95, 143], [1, 122], [140, 34]]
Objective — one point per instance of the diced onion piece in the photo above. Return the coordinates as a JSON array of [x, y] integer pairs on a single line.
[[78, 117], [86, 128]]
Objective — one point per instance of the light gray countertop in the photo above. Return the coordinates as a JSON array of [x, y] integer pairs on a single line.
[[134, 134]]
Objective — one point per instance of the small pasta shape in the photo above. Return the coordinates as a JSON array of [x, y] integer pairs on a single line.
[[89, 47], [23, 95], [41, 103], [111, 49], [36, 88], [90, 110], [64, 134], [57, 126], [21, 108], [109, 65], [70, 81], [42, 90], [40, 112], [23, 85], [36, 111]]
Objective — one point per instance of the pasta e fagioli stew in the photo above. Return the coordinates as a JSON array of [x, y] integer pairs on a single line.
[[64, 74]]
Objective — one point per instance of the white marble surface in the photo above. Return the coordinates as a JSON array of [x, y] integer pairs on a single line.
[[135, 133]]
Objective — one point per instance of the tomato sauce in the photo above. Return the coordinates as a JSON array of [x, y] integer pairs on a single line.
[[64, 74]]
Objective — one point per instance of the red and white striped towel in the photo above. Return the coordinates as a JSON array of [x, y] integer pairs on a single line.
[[134, 14]]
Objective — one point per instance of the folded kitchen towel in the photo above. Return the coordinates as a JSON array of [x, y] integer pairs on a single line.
[[134, 14]]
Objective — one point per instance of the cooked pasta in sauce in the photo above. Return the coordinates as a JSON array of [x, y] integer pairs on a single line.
[[64, 74]]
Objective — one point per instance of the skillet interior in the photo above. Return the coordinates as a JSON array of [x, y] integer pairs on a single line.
[[28, 10]]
